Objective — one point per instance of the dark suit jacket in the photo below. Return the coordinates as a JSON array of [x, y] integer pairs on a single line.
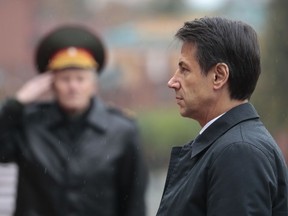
[[234, 168]]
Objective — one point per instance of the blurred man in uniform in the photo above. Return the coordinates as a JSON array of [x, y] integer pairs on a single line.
[[76, 156]]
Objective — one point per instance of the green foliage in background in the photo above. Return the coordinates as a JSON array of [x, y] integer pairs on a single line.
[[161, 129]]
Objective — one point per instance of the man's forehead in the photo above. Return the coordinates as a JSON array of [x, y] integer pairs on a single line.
[[188, 47], [188, 51]]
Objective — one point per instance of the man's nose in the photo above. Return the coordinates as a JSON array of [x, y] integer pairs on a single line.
[[173, 83]]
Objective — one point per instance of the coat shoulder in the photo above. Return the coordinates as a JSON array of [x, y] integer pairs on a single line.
[[39, 112], [248, 136], [124, 118], [124, 113], [37, 108]]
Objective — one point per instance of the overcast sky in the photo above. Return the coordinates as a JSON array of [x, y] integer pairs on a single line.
[[206, 4]]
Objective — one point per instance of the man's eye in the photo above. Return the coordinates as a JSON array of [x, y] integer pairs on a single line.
[[183, 70]]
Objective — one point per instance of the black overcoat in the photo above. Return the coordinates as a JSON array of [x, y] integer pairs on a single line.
[[234, 168], [99, 172]]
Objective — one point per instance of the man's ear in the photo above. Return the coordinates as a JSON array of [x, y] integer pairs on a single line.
[[221, 75]]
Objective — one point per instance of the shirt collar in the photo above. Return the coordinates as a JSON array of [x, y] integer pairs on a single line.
[[209, 123]]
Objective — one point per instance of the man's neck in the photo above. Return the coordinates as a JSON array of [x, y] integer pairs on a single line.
[[219, 109]]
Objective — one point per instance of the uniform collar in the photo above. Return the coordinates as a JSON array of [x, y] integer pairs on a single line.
[[231, 118], [97, 117]]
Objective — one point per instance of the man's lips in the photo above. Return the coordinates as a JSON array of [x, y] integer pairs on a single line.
[[178, 99]]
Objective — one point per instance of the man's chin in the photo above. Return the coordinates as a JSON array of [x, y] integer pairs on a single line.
[[183, 113], [74, 107]]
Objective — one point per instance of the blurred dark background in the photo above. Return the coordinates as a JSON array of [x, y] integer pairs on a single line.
[[142, 55]]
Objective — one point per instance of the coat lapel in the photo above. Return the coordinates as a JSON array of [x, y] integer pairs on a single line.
[[98, 117], [243, 112]]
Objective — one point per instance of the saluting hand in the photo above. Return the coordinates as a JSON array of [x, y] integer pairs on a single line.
[[35, 88]]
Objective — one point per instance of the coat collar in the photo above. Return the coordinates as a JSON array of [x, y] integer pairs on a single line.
[[97, 117], [231, 118]]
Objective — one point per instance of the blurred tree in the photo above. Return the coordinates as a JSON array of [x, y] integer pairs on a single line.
[[271, 98]]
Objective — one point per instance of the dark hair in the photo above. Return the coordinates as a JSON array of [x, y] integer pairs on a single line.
[[232, 42]]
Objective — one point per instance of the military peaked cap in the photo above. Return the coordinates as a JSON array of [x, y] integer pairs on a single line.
[[68, 40]]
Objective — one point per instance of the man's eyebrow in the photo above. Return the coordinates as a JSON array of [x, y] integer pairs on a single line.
[[181, 63]]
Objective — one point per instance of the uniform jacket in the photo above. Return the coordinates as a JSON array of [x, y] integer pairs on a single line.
[[100, 172], [234, 168]]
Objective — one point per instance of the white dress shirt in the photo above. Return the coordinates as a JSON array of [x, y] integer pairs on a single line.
[[209, 123]]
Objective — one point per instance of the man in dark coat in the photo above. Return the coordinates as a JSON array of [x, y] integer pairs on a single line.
[[233, 167], [76, 156]]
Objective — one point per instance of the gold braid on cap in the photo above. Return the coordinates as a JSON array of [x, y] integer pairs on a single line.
[[72, 57]]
